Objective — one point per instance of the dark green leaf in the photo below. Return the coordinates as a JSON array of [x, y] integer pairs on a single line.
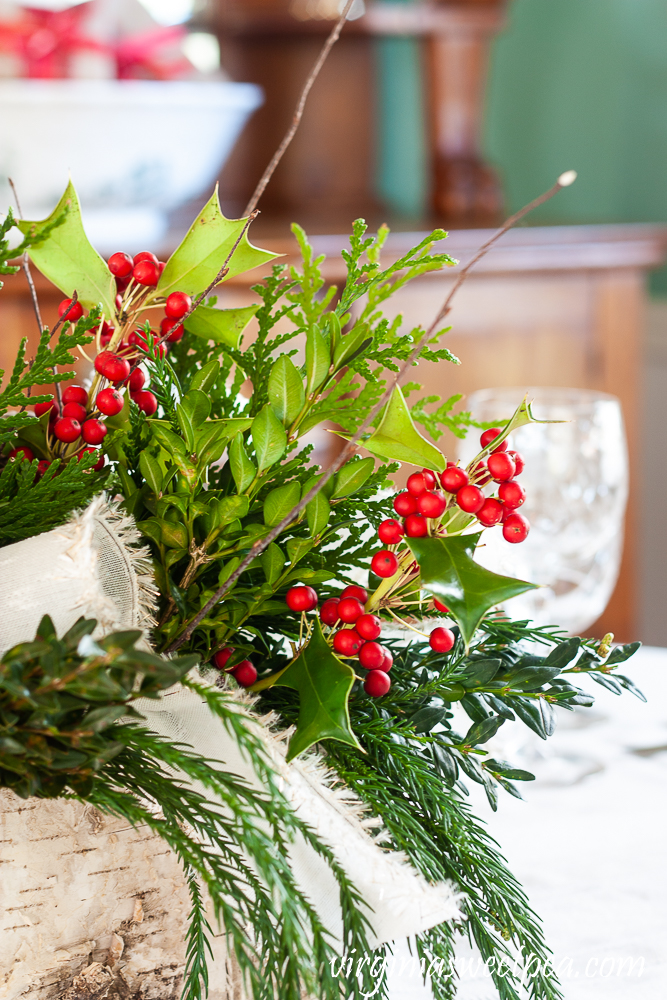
[[352, 477], [449, 571], [445, 763], [273, 562], [621, 653], [480, 732], [563, 653], [427, 718], [286, 392], [242, 468], [151, 471], [268, 437], [280, 502], [477, 673]]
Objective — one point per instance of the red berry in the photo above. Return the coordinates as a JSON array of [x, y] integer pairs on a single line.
[[220, 658], [161, 264], [390, 531], [404, 504], [519, 462], [301, 598], [440, 606], [347, 642], [388, 661], [511, 493], [377, 683], [146, 401], [138, 339], [329, 611], [112, 367], [501, 466], [93, 431], [21, 452], [177, 305], [75, 394], [245, 674], [109, 401], [168, 324], [481, 474], [488, 436], [106, 333], [354, 591], [441, 640], [120, 264], [416, 526], [145, 255], [516, 528], [66, 429], [432, 504], [420, 481], [470, 499], [99, 465], [42, 466], [146, 272], [384, 563], [119, 302], [42, 408], [490, 513], [75, 313], [349, 609], [431, 478], [136, 381], [371, 656], [369, 627], [75, 411], [453, 479]]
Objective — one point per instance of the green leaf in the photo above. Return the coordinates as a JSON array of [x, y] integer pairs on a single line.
[[351, 345], [324, 683], [318, 512], [563, 653], [68, 259], [297, 548], [398, 439], [204, 249], [191, 413], [222, 326], [174, 536], [280, 502], [352, 477], [449, 572], [532, 678], [206, 376], [479, 672], [273, 562], [151, 471], [286, 392], [622, 653], [482, 731], [445, 763], [172, 443], [318, 359], [507, 771], [427, 718], [268, 437], [242, 468]]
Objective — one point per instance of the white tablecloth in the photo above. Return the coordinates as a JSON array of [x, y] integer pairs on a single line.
[[589, 843]]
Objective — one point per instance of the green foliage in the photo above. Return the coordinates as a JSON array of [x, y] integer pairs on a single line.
[[449, 571], [31, 504], [396, 437], [63, 252], [61, 700], [8, 252], [414, 764]]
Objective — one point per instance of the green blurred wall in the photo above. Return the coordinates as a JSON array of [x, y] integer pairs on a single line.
[[573, 83]]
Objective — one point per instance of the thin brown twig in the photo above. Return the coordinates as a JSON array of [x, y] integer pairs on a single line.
[[262, 544], [298, 114]]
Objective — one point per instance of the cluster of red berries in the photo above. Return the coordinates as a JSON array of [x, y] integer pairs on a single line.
[[144, 270], [360, 639], [244, 672]]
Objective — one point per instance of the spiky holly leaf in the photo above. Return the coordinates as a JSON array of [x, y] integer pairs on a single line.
[[398, 439], [449, 571], [324, 683], [222, 326], [67, 257], [195, 263]]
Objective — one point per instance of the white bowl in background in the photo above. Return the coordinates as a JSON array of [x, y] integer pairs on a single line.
[[135, 149]]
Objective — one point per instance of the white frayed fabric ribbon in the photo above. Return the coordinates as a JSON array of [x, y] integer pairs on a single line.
[[92, 567]]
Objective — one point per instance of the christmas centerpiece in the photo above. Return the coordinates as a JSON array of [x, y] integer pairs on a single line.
[[241, 696]]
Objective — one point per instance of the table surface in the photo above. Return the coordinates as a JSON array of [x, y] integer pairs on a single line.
[[588, 843]]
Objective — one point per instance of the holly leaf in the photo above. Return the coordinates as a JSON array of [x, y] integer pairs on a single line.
[[398, 439], [449, 572], [324, 683], [222, 326], [204, 249], [67, 257]]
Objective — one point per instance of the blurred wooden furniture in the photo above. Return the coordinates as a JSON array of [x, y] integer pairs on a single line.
[[328, 170]]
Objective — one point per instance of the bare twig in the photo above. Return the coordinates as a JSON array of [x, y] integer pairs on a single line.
[[298, 114], [350, 448], [25, 264]]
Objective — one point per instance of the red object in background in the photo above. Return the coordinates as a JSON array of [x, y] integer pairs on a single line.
[[46, 40]]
